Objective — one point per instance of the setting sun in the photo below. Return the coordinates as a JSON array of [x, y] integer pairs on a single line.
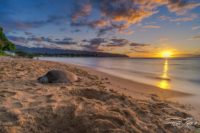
[[166, 54]]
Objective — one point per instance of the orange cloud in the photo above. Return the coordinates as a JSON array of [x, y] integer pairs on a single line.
[[85, 10], [121, 14], [100, 23], [151, 27]]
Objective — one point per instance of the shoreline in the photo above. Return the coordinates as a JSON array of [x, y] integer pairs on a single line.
[[162, 76], [98, 102], [127, 83]]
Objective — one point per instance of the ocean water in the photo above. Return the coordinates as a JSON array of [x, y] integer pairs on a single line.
[[175, 74]]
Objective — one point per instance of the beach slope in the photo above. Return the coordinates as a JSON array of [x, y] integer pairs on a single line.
[[93, 104]]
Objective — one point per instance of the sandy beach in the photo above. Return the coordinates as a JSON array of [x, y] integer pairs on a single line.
[[96, 103]]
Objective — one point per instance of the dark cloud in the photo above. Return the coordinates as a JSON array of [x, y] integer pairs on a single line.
[[133, 44], [118, 42], [104, 30], [98, 43], [91, 24], [93, 44], [23, 40], [123, 10], [64, 41], [196, 37]]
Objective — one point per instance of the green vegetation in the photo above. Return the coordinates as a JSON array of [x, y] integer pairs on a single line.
[[5, 44]]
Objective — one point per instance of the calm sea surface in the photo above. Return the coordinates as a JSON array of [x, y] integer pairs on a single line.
[[176, 74]]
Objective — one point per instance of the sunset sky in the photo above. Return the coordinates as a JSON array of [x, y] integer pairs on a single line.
[[138, 28]]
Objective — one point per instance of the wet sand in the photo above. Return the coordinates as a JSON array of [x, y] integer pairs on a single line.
[[96, 103]]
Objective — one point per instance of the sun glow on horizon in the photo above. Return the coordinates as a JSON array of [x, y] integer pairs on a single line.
[[166, 54]]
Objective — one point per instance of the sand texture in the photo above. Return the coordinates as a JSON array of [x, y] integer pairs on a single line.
[[88, 105]]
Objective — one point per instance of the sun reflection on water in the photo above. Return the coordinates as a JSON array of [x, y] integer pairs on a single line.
[[165, 70], [164, 82]]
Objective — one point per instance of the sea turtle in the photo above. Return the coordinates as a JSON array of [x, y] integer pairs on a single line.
[[57, 76]]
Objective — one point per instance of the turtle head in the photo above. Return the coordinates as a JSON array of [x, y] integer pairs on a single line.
[[43, 79]]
